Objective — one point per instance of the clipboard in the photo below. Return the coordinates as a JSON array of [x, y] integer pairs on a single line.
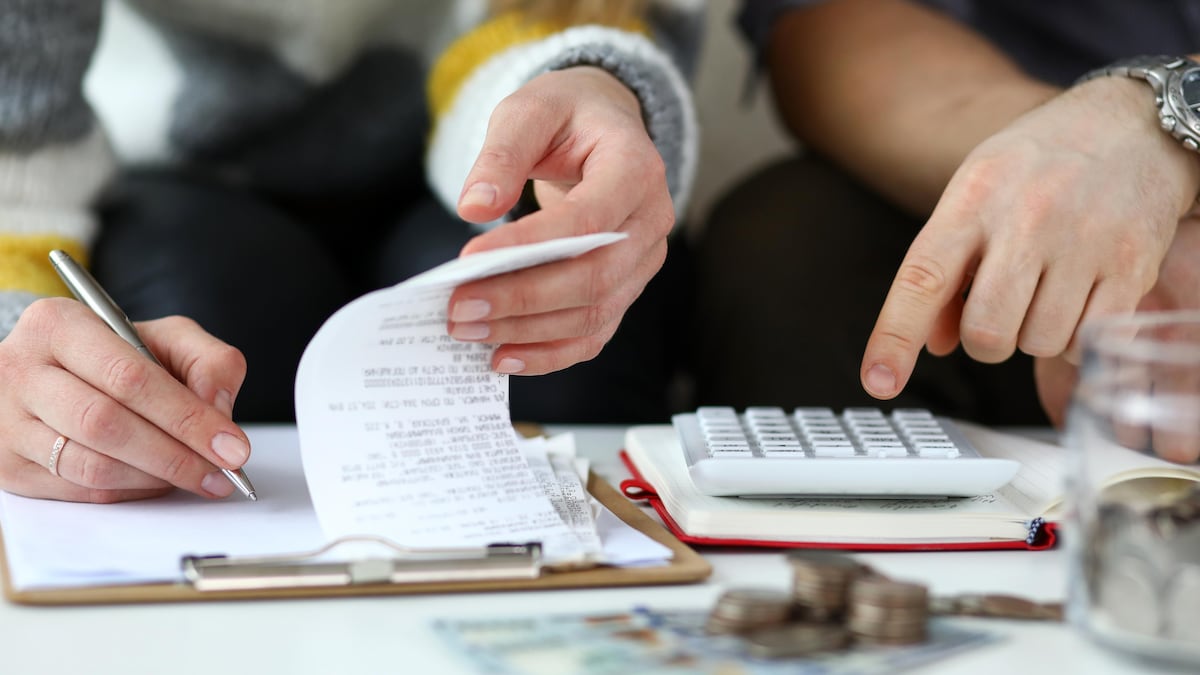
[[514, 567]]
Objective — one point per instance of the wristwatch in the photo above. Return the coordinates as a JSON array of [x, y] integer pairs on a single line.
[[1176, 84]]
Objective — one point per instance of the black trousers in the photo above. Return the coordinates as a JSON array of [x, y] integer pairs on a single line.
[[792, 269], [263, 274]]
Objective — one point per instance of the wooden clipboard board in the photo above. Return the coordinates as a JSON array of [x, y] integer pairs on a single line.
[[686, 566]]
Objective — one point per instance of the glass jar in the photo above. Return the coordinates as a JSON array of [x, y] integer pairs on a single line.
[[1134, 525]]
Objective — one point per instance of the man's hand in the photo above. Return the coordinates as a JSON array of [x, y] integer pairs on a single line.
[[1178, 287], [1064, 215], [578, 134], [133, 429]]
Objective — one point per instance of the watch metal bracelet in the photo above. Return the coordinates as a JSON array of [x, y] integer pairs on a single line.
[[1162, 74], [1152, 69]]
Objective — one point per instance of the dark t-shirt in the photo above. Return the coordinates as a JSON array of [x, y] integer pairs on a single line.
[[1055, 40]]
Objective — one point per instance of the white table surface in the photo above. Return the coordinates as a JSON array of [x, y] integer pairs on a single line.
[[392, 634]]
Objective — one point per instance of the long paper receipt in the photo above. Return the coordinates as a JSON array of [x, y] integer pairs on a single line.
[[405, 432]]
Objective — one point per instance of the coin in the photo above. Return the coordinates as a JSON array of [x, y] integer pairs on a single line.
[[1183, 605], [796, 639], [739, 610], [885, 611], [996, 605], [1127, 594], [820, 580]]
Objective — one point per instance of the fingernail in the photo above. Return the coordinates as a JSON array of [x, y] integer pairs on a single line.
[[470, 331], [479, 194], [224, 403], [231, 448], [880, 380], [216, 484], [510, 366], [470, 310]]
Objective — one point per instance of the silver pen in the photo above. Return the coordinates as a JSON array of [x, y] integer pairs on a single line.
[[88, 291]]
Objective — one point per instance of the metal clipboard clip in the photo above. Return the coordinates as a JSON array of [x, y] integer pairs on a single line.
[[403, 565]]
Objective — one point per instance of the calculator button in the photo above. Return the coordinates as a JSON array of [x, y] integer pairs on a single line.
[[834, 450], [813, 413], [946, 450], [886, 449]]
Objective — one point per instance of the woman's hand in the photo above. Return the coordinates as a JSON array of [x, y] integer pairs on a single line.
[[133, 429], [578, 135]]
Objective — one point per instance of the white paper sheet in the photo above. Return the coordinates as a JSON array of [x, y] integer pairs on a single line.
[[53, 544]]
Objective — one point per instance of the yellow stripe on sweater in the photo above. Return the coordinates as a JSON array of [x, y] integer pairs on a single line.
[[474, 49], [25, 263]]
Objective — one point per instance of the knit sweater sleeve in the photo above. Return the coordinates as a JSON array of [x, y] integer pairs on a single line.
[[54, 157], [500, 56]]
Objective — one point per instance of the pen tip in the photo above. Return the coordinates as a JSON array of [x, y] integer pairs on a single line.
[[253, 497]]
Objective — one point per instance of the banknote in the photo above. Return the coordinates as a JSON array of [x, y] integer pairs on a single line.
[[668, 642]]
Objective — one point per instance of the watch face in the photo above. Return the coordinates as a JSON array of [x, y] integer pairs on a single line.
[[1191, 89]]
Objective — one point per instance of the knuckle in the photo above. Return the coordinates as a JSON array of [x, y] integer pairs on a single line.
[[588, 220], [523, 299], [126, 376], [38, 315], [180, 323], [97, 471], [517, 104], [178, 467], [898, 343], [986, 343], [666, 222], [601, 280], [228, 358], [43, 316], [1041, 346], [573, 352], [98, 421], [189, 422], [653, 166], [976, 182], [593, 320], [498, 158], [590, 347], [1039, 209], [600, 318], [921, 277], [1130, 255]]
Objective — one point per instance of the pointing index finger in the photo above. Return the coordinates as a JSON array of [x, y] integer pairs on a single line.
[[929, 277]]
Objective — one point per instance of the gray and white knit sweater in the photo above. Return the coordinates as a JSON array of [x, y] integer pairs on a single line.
[[296, 97]]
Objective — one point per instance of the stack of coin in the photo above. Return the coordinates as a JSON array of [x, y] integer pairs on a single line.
[[742, 610], [886, 612], [796, 639], [820, 583]]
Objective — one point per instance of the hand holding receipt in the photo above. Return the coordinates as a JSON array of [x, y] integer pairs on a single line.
[[88, 291]]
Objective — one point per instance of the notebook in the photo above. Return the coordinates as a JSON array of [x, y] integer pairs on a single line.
[[1025, 513]]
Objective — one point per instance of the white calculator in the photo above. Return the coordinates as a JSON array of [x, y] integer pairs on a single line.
[[815, 452]]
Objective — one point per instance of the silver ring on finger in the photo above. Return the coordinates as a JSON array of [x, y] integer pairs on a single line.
[[55, 452]]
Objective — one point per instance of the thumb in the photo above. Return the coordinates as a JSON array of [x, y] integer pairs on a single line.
[[512, 148]]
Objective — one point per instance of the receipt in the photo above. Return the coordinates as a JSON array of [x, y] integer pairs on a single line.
[[405, 432]]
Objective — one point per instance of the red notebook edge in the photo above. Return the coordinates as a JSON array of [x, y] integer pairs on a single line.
[[1043, 535]]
